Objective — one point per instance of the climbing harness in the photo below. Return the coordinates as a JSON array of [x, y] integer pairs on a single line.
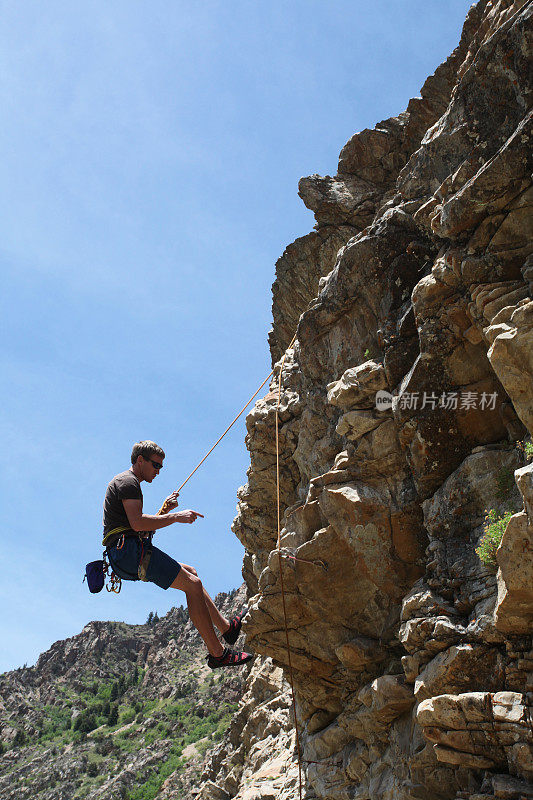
[[146, 555], [114, 583], [112, 533]]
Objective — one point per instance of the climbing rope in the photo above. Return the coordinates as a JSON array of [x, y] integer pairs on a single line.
[[291, 677], [164, 507]]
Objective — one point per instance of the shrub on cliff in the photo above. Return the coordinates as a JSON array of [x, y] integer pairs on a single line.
[[85, 723], [490, 541], [113, 716]]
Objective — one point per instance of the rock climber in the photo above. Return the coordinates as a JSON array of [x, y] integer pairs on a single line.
[[127, 539]]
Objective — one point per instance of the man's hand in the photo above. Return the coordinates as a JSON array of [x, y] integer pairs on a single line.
[[187, 516], [171, 502]]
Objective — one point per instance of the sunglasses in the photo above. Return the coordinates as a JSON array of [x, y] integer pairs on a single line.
[[155, 464]]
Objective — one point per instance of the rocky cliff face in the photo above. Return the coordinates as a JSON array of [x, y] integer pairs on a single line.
[[117, 712], [404, 395]]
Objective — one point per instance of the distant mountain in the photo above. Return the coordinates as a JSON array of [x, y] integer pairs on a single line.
[[115, 711]]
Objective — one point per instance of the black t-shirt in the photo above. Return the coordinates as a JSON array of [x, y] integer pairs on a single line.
[[125, 486]]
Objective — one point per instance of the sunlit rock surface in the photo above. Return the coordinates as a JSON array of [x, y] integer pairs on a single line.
[[412, 659]]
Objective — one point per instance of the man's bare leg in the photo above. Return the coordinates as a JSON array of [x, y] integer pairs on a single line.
[[198, 609], [217, 619]]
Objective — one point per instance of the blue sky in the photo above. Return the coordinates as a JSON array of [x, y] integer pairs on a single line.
[[150, 161]]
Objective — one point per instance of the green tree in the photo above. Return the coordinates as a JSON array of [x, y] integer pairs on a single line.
[[20, 738], [494, 529], [113, 715], [86, 722]]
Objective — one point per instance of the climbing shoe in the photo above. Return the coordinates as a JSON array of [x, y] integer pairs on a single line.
[[232, 634], [229, 658]]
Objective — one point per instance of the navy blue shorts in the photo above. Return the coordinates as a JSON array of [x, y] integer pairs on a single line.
[[162, 569]]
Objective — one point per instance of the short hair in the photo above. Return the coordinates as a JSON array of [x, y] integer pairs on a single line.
[[146, 449]]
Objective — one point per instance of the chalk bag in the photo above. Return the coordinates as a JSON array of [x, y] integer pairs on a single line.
[[94, 572]]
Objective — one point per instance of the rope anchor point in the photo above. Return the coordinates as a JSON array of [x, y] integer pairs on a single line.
[[316, 562]]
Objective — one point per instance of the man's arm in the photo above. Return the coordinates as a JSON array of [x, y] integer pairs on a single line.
[[152, 522]]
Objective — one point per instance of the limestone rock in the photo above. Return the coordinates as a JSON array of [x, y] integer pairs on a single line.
[[480, 730], [257, 763], [511, 355], [461, 666], [514, 606], [411, 659], [357, 386]]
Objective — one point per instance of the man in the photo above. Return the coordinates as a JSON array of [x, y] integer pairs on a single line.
[[127, 538]]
